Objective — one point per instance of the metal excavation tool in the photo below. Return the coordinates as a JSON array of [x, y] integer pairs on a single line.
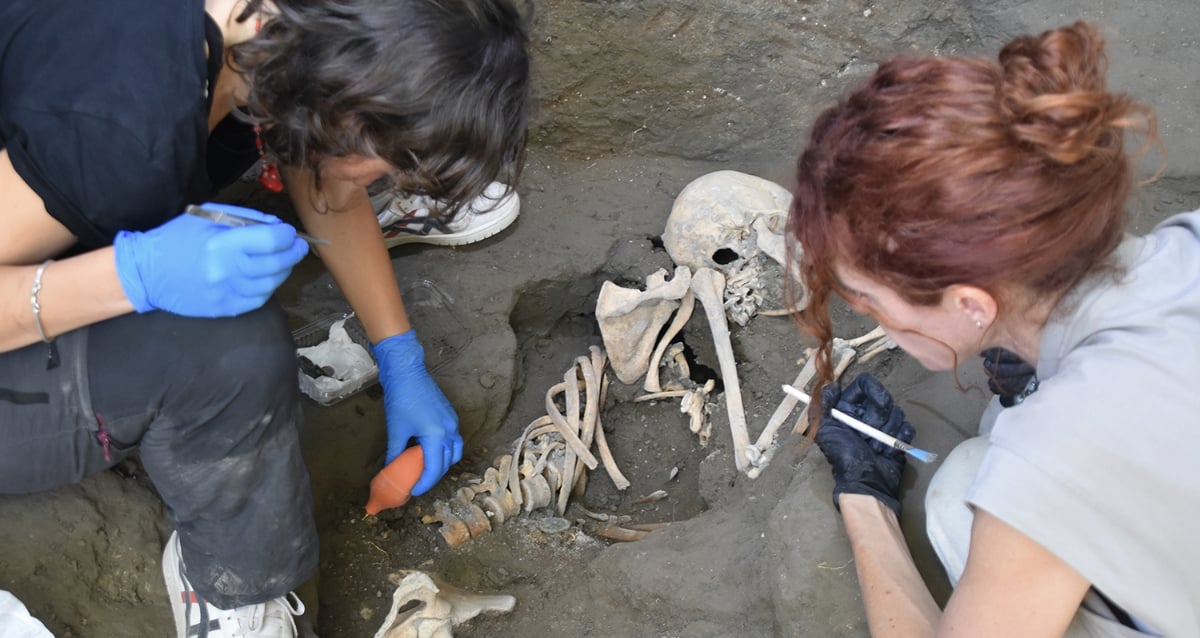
[[229, 219]]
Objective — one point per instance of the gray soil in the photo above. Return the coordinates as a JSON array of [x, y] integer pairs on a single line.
[[636, 100]]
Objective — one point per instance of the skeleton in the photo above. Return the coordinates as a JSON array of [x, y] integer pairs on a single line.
[[631, 319], [423, 607], [725, 221]]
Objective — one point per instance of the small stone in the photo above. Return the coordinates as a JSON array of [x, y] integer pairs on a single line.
[[366, 613], [553, 525], [487, 380]]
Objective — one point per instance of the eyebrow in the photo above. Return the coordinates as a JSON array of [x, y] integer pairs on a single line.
[[841, 284]]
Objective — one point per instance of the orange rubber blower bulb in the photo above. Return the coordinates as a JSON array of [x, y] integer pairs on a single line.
[[392, 486]]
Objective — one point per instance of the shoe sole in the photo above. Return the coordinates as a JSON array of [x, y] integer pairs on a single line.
[[174, 579], [497, 220]]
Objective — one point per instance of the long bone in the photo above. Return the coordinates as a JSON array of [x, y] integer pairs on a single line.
[[708, 285], [844, 354], [766, 444], [767, 438], [686, 305]]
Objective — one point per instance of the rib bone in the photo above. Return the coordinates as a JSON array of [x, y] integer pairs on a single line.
[[686, 305]]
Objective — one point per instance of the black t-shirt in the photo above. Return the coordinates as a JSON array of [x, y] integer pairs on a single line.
[[104, 108]]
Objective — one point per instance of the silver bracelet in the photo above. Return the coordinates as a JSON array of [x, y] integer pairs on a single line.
[[33, 299]]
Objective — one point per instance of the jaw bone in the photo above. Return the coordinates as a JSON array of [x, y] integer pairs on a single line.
[[425, 608], [631, 319]]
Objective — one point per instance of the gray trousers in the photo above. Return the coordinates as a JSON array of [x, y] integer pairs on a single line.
[[213, 407]]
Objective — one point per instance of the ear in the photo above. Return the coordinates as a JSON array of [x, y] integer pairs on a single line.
[[977, 305]]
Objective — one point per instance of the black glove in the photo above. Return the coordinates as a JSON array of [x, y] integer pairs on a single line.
[[1009, 376], [863, 465]]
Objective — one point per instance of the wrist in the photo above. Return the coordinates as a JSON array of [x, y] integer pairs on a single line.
[[865, 506], [860, 491], [401, 352], [125, 260]]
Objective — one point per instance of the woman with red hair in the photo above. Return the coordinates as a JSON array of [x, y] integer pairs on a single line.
[[971, 205]]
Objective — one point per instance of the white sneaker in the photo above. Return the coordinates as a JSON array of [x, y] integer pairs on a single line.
[[413, 219], [195, 618]]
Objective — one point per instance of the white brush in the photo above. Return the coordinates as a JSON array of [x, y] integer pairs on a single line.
[[884, 438]]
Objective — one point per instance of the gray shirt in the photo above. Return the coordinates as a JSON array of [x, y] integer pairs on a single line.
[[1101, 466]]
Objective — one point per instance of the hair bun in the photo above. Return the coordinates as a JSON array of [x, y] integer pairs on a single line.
[[1054, 91]]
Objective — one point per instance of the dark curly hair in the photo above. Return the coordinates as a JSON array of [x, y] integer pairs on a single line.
[[440, 89]]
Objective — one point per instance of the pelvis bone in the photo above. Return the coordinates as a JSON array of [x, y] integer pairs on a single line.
[[425, 608], [630, 320]]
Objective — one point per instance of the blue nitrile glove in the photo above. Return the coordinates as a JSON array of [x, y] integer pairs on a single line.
[[862, 465], [415, 408], [1009, 376], [195, 267]]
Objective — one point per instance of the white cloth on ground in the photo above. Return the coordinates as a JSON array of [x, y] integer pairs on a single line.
[[15, 621]]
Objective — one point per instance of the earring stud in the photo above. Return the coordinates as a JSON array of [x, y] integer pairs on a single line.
[[979, 324]]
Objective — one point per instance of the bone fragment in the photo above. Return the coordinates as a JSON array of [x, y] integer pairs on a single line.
[[656, 495], [628, 533], [694, 404], [514, 474], [453, 529], [870, 337], [654, 396], [708, 285], [622, 534], [880, 347], [536, 493], [630, 320], [686, 305], [423, 607], [681, 362], [468, 512]]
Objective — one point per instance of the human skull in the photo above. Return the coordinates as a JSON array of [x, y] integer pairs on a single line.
[[712, 221], [727, 221]]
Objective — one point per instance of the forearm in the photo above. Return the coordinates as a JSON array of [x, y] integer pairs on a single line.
[[356, 257], [897, 601], [75, 292]]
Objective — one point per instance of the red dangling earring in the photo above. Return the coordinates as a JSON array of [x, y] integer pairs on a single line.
[[268, 175]]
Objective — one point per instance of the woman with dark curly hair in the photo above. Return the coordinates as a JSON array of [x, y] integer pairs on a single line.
[[125, 324], [970, 205]]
